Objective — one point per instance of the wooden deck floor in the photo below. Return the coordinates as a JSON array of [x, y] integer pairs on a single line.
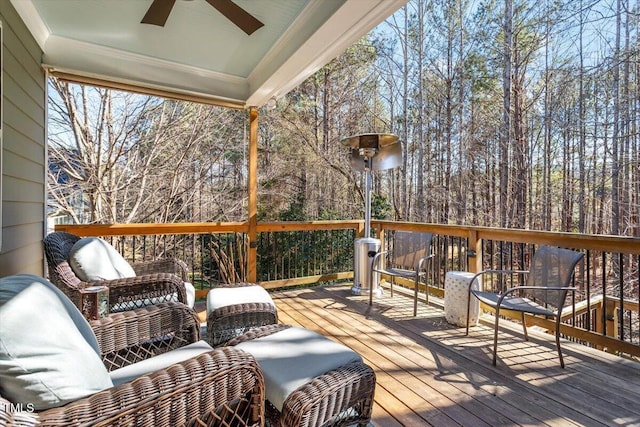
[[430, 373]]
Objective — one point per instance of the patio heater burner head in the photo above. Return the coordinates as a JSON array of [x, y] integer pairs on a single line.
[[374, 151], [370, 151]]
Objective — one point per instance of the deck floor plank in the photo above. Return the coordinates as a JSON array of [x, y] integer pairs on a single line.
[[391, 376], [495, 406], [430, 373]]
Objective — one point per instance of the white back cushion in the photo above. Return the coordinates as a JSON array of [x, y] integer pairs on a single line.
[[44, 358], [94, 259]]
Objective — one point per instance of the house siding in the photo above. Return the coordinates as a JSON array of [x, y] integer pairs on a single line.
[[24, 148]]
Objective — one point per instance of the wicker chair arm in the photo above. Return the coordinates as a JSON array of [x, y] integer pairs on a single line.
[[147, 286], [165, 265], [260, 332], [224, 383], [130, 336]]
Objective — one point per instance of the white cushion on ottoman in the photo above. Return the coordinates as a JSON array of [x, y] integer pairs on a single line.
[[223, 297], [293, 357]]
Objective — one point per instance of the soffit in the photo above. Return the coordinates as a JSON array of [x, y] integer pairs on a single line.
[[199, 52]]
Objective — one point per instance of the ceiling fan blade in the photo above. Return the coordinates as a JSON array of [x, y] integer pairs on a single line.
[[158, 12], [243, 19]]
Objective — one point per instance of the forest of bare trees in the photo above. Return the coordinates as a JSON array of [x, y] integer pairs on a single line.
[[511, 113]]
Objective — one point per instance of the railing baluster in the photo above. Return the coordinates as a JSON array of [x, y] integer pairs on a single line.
[[604, 293], [621, 296], [588, 285]]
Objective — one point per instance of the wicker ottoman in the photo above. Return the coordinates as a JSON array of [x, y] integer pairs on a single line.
[[310, 380], [235, 308]]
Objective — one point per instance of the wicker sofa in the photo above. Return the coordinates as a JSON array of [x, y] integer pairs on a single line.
[[211, 387], [157, 281]]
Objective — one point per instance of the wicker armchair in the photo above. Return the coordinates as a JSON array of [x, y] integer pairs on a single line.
[[220, 387], [156, 281]]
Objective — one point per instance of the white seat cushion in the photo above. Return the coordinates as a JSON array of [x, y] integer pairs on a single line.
[[45, 360], [223, 297], [94, 259], [293, 357], [156, 363]]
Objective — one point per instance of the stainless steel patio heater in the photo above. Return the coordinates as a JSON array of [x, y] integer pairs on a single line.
[[369, 152]]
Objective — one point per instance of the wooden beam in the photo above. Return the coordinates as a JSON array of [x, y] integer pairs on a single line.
[[152, 229], [307, 280], [144, 90]]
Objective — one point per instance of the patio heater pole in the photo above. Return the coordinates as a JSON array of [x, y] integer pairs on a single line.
[[367, 198], [370, 152]]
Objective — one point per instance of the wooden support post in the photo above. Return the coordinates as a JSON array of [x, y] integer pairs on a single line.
[[474, 254], [253, 196], [381, 237]]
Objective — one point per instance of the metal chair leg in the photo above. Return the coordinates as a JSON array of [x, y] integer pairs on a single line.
[[495, 336], [415, 297], [524, 327], [426, 287], [468, 310], [558, 342]]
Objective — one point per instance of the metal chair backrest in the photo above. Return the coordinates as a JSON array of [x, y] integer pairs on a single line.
[[552, 267], [409, 247]]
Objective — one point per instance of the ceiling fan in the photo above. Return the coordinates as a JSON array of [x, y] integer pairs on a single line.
[[159, 11]]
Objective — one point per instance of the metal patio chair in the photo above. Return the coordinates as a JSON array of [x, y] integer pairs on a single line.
[[408, 259], [544, 293]]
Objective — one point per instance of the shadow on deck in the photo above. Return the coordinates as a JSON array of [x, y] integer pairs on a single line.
[[430, 373]]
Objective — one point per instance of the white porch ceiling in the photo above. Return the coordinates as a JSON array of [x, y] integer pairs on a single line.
[[199, 52]]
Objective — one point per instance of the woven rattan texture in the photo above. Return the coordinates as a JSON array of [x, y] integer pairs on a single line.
[[155, 279], [231, 321], [131, 336], [340, 397], [223, 387]]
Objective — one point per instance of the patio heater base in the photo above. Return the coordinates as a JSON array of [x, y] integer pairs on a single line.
[[365, 249], [358, 290]]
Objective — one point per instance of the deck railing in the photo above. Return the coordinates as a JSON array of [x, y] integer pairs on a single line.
[[605, 312]]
